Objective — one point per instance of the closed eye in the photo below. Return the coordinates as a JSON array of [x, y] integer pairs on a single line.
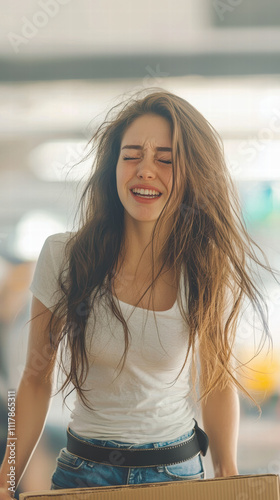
[[168, 162]]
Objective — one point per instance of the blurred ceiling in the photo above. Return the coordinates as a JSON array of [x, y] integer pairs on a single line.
[[63, 39], [236, 106]]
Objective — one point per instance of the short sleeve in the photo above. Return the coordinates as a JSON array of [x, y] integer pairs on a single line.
[[50, 263]]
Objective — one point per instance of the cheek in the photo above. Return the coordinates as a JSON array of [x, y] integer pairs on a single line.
[[168, 179], [121, 178], [118, 175]]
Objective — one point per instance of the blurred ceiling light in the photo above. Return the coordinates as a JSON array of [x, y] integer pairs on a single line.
[[31, 232], [235, 107], [58, 161], [253, 159], [232, 108], [270, 106]]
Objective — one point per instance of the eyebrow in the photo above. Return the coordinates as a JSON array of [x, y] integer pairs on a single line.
[[137, 146]]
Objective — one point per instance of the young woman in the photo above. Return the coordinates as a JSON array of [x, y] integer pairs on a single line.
[[142, 297]]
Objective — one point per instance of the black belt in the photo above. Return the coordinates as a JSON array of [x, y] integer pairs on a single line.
[[146, 457]]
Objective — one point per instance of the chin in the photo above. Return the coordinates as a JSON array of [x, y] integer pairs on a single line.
[[140, 218]]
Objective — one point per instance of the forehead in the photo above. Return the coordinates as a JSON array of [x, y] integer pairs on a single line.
[[148, 130]]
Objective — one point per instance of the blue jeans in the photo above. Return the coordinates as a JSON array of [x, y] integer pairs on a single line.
[[74, 472]]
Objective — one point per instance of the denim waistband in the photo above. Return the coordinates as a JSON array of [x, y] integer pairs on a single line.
[[119, 444]]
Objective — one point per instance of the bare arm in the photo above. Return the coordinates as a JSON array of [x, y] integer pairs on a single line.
[[220, 416], [33, 397]]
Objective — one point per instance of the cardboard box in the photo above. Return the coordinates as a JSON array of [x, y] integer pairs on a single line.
[[253, 487]]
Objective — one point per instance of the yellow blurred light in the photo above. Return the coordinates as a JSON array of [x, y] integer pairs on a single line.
[[262, 372]]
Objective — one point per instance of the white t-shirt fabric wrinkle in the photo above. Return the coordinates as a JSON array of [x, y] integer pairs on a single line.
[[143, 403]]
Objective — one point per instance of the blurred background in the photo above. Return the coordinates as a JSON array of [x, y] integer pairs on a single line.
[[63, 65]]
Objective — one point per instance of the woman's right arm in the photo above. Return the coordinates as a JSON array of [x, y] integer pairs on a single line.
[[32, 399]]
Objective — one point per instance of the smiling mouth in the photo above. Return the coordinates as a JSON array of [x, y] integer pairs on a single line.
[[147, 196]]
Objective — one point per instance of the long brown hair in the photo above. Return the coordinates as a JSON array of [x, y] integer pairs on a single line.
[[208, 238]]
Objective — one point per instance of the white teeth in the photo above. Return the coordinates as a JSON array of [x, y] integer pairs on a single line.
[[145, 191]]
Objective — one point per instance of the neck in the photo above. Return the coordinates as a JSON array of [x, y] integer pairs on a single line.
[[137, 252]]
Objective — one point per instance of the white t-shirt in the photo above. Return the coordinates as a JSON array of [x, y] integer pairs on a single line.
[[142, 404]]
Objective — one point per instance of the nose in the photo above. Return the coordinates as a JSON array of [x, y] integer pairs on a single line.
[[146, 169]]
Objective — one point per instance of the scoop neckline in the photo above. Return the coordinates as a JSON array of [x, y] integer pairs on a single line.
[[151, 310], [147, 310]]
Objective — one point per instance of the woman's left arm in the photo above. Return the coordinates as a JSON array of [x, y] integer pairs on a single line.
[[220, 415]]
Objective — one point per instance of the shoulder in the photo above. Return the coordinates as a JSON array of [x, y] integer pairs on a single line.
[[51, 263], [53, 251], [56, 242], [59, 238]]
